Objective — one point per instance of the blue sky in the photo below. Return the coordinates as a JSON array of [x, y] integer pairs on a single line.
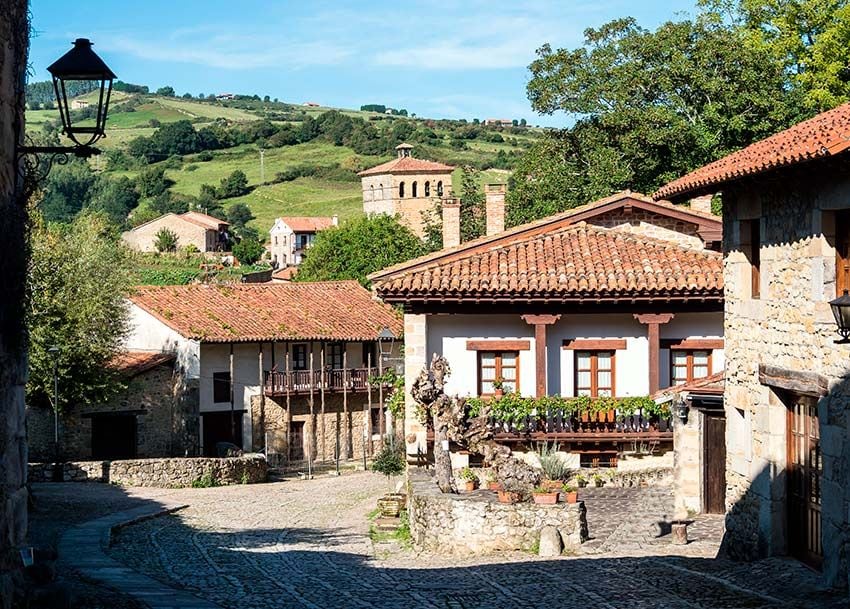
[[454, 59]]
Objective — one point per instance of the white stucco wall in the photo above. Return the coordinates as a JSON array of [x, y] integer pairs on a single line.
[[150, 334]]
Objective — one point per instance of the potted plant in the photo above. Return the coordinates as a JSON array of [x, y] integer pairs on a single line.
[[492, 483], [581, 481], [470, 480], [499, 387], [570, 493], [390, 462], [554, 466], [598, 481], [511, 493], [543, 495]]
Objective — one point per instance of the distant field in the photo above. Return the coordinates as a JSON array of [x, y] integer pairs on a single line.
[[192, 109]]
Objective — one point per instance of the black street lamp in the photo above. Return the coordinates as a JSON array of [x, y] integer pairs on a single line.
[[841, 310], [81, 63], [386, 339]]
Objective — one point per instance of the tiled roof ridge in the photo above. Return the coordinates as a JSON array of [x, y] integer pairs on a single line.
[[415, 165], [528, 226]]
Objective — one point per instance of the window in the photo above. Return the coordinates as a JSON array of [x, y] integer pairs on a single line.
[[842, 252], [427, 188], [751, 240], [369, 354], [440, 188], [498, 365], [299, 357], [687, 366], [413, 188], [221, 387], [376, 420], [401, 190], [372, 192], [334, 356], [594, 373]]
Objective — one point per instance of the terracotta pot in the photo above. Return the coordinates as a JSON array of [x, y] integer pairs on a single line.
[[389, 506], [611, 416], [585, 417], [582, 484], [494, 486], [509, 497], [552, 485], [546, 498], [498, 392], [571, 497], [470, 485]]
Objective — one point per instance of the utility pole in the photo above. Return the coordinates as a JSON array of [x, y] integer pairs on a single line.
[[262, 166]]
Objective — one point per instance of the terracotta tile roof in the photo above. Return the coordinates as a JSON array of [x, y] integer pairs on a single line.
[[712, 225], [330, 310], [307, 224], [407, 164], [132, 363], [711, 385], [572, 263], [824, 135], [196, 217], [285, 274]]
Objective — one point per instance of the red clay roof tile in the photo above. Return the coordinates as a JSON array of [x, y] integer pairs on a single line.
[[307, 224], [407, 164], [132, 363]]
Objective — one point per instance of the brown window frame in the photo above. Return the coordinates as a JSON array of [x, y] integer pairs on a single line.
[[334, 355], [689, 365], [296, 348], [499, 355], [751, 242], [594, 371], [842, 251]]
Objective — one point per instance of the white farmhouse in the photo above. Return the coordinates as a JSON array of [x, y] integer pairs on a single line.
[[291, 236]]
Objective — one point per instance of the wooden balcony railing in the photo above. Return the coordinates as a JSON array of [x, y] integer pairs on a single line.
[[332, 380], [587, 426]]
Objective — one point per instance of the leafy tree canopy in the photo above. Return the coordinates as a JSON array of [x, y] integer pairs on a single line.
[[248, 251], [359, 247]]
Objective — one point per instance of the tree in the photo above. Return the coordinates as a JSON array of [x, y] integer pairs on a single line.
[[67, 191], [248, 251], [238, 215], [78, 281], [166, 240], [652, 105], [166, 91], [116, 198], [234, 185], [166, 203], [151, 181], [472, 213], [359, 247]]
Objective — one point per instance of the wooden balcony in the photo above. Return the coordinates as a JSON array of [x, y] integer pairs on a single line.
[[299, 382]]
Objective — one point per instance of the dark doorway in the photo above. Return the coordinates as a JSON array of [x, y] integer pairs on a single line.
[[113, 436], [714, 462], [805, 468], [217, 428], [296, 440]]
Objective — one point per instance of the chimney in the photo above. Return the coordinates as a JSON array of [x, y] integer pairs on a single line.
[[495, 207], [702, 203], [335, 220], [451, 222]]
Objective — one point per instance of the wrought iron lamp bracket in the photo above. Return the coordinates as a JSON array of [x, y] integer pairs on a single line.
[[37, 161]]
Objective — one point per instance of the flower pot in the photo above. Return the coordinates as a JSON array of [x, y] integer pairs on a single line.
[[598, 483], [582, 483], [494, 486], [585, 417], [546, 498], [571, 497], [552, 485], [509, 497], [498, 393], [470, 485], [389, 507], [610, 416]]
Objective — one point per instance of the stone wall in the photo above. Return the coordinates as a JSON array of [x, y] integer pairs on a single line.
[[648, 224], [166, 409], [14, 32], [791, 327], [165, 473], [687, 462], [477, 523], [380, 196], [143, 238]]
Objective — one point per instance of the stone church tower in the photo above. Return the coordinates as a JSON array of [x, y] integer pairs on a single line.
[[405, 186]]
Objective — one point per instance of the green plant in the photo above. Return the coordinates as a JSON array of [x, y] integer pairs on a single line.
[[248, 251], [468, 475], [244, 479], [581, 480], [394, 402], [208, 480], [165, 240], [598, 480], [554, 466], [567, 488], [390, 459], [541, 490]]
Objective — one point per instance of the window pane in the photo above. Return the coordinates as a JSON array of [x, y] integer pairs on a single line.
[[680, 358], [604, 360], [509, 359], [583, 360], [488, 374], [488, 358], [680, 374], [508, 374], [604, 393], [603, 380], [583, 381], [583, 392], [700, 372], [700, 358], [487, 387], [509, 386]]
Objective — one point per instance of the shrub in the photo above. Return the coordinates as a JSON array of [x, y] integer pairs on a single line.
[[166, 240], [390, 460], [553, 465], [248, 251], [208, 480]]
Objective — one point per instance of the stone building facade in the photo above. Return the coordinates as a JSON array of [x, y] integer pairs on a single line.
[[206, 233], [154, 415], [406, 187], [785, 211]]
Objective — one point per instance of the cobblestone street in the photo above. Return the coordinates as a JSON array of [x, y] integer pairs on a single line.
[[306, 544]]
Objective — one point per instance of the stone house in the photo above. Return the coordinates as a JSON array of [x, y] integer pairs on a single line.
[[616, 298], [291, 236], [281, 367], [205, 232], [153, 416], [786, 215], [405, 187]]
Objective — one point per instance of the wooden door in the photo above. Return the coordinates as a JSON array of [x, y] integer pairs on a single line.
[[296, 441], [804, 492], [113, 436], [714, 463], [218, 428]]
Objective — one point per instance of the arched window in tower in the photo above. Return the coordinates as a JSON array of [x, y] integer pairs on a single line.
[[440, 188], [380, 191], [413, 188], [427, 188], [372, 192], [401, 190]]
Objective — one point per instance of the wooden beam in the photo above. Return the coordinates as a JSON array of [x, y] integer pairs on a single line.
[[604, 344], [540, 322], [498, 345], [653, 322], [692, 344], [794, 381]]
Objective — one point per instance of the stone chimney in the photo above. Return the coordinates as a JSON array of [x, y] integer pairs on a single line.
[[451, 222], [495, 207], [702, 203], [335, 220]]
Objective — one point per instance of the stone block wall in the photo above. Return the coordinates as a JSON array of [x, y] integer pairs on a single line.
[[648, 224], [166, 407], [789, 326], [165, 473], [687, 462], [477, 523]]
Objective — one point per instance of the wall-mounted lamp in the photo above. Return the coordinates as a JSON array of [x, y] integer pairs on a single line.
[[841, 310]]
